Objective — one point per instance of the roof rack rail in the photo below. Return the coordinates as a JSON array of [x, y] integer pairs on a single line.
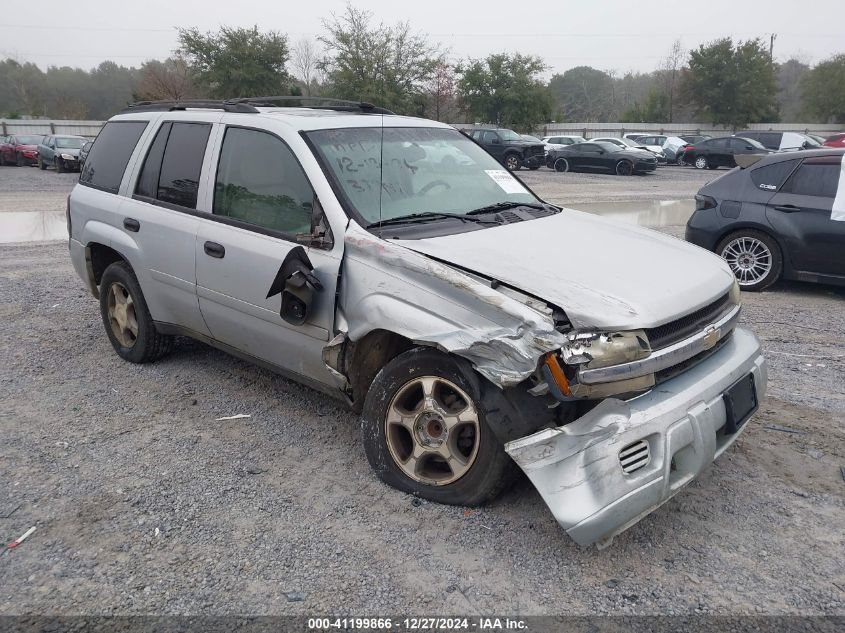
[[183, 104], [320, 103]]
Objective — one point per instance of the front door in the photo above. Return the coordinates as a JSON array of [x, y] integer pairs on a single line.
[[262, 208], [802, 213]]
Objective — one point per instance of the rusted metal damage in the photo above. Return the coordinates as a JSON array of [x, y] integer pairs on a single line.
[[434, 304]]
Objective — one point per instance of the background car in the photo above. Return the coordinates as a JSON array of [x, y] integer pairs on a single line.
[[83, 153], [556, 142], [530, 139], [779, 141], [5, 148], [61, 152], [21, 150], [634, 136], [601, 156], [837, 140], [776, 219], [621, 142], [510, 149], [721, 152], [692, 139]]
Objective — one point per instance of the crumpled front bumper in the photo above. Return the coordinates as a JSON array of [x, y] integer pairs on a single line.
[[577, 469]]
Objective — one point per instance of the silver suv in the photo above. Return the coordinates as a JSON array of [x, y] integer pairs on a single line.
[[394, 264]]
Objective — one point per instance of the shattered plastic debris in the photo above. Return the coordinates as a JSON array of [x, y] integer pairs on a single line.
[[237, 416], [295, 596]]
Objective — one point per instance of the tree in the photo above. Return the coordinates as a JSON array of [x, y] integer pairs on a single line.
[[505, 89], [237, 62], [789, 78], [385, 65], [824, 90], [171, 80], [670, 70], [304, 60], [442, 99], [585, 94], [655, 110], [732, 84]]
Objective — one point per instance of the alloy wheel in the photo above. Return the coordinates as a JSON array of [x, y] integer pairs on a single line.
[[750, 260], [701, 162], [432, 430], [122, 317]]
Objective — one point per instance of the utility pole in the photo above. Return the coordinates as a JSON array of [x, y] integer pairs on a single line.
[[772, 39]]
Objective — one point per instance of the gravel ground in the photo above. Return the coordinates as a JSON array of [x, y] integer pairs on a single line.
[[146, 504]]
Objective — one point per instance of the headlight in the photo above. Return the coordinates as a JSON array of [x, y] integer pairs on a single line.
[[603, 349], [68, 156]]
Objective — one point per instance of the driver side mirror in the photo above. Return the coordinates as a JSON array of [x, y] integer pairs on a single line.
[[749, 147], [297, 283]]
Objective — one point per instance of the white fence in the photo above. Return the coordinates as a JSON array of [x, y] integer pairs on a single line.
[[587, 130], [46, 126]]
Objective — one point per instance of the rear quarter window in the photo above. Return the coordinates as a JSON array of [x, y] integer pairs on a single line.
[[814, 179], [110, 154], [771, 177]]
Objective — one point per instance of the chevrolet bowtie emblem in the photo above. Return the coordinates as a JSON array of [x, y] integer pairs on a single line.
[[711, 337]]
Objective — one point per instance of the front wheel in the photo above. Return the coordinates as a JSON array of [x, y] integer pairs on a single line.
[[513, 162], [127, 319], [701, 163], [60, 164], [561, 164], [424, 431], [754, 258], [41, 164], [624, 168], [19, 160]]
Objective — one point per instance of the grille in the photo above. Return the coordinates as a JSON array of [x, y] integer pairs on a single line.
[[679, 329], [634, 456]]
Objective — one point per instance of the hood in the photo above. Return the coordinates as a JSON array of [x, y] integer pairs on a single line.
[[602, 273], [73, 151]]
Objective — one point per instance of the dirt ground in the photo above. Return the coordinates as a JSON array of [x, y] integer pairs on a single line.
[[145, 503]]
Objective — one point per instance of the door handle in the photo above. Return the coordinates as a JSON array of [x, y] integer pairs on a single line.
[[131, 224], [787, 208], [214, 249]]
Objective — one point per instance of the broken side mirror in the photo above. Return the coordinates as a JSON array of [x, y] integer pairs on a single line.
[[297, 283], [321, 233]]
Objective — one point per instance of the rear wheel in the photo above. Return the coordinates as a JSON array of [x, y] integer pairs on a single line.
[[513, 162], [561, 164], [624, 168], [424, 431], [701, 163], [754, 258], [127, 319], [60, 165]]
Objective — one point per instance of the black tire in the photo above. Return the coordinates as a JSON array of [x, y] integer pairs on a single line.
[[513, 162], [41, 164], [534, 167], [2, 160], [59, 163], [149, 345], [776, 257], [701, 162], [712, 166], [562, 165], [19, 160], [624, 168], [490, 472]]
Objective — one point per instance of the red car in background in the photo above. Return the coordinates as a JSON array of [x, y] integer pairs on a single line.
[[20, 149], [837, 140]]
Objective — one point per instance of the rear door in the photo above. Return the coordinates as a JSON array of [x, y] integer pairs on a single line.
[[802, 214], [263, 205], [162, 213]]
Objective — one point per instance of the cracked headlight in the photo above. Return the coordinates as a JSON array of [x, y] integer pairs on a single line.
[[603, 349]]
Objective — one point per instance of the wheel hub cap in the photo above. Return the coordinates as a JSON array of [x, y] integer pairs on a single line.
[[432, 430], [121, 312], [749, 259]]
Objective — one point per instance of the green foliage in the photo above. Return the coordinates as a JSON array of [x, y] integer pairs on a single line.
[[585, 94], [505, 89], [237, 62], [824, 90], [385, 65], [655, 110], [732, 84]]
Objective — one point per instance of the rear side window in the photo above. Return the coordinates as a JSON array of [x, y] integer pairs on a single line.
[[260, 182], [171, 171], [814, 179], [110, 154], [771, 177]]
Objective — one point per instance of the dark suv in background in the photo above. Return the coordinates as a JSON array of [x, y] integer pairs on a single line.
[[510, 149]]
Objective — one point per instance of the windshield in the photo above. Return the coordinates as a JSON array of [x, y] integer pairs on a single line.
[[426, 170], [509, 135], [29, 140], [629, 142], [70, 143]]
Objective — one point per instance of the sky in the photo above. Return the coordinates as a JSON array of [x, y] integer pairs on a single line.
[[616, 35]]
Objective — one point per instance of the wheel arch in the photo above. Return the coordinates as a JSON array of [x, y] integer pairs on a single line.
[[761, 228]]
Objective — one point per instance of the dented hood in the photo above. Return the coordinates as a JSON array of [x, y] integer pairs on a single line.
[[603, 273]]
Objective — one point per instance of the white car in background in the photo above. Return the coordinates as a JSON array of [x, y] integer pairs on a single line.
[[559, 142]]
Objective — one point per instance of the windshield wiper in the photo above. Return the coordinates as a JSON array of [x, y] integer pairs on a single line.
[[501, 206], [429, 215]]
